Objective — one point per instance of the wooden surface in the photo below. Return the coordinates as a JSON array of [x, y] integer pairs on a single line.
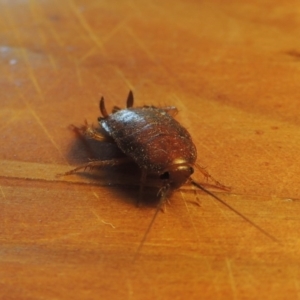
[[233, 70]]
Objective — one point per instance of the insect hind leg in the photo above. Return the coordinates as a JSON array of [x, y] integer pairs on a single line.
[[99, 163]]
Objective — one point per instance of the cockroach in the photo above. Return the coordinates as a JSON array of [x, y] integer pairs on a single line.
[[153, 139], [157, 143]]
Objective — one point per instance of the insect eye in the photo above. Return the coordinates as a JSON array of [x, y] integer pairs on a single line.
[[165, 175]]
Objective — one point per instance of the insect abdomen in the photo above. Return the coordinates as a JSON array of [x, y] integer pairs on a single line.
[[151, 137]]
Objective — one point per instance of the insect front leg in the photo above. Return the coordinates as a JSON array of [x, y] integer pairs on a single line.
[[208, 176], [164, 193]]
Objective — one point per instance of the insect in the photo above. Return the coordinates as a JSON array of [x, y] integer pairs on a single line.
[[157, 143], [153, 139]]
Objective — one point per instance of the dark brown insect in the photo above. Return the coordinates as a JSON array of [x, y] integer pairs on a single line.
[[153, 139]]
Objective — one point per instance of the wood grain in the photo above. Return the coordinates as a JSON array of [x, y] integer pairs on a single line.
[[233, 70]]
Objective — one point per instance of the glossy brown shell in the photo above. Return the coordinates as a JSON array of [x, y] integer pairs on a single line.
[[151, 137]]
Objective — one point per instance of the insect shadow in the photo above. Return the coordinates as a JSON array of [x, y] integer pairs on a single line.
[[124, 178]]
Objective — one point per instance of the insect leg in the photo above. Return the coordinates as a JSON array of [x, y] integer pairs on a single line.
[[115, 109], [142, 183], [171, 110], [163, 192], [91, 132], [95, 135], [208, 176], [100, 163]]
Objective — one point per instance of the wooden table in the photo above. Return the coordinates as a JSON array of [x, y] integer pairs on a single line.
[[232, 68]]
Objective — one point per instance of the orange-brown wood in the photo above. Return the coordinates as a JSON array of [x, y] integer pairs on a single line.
[[232, 68]]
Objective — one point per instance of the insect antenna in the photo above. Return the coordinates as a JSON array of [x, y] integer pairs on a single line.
[[234, 210], [163, 192]]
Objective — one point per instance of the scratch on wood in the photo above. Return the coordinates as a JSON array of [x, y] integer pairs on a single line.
[[198, 202], [38, 19], [102, 221], [288, 200], [87, 55], [129, 288], [57, 37], [108, 224], [45, 130], [11, 120], [36, 172], [31, 171], [95, 194], [118, 27], [32, 75], [191, 219], [231, 279], [296, 283], [2, 193], [141, 45], [86, 26], [35, 13], [78, 73], [52, 62], [121, 74], [24, 54], [223, 212]]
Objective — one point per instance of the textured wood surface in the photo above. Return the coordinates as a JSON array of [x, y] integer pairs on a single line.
[[233, 70]]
